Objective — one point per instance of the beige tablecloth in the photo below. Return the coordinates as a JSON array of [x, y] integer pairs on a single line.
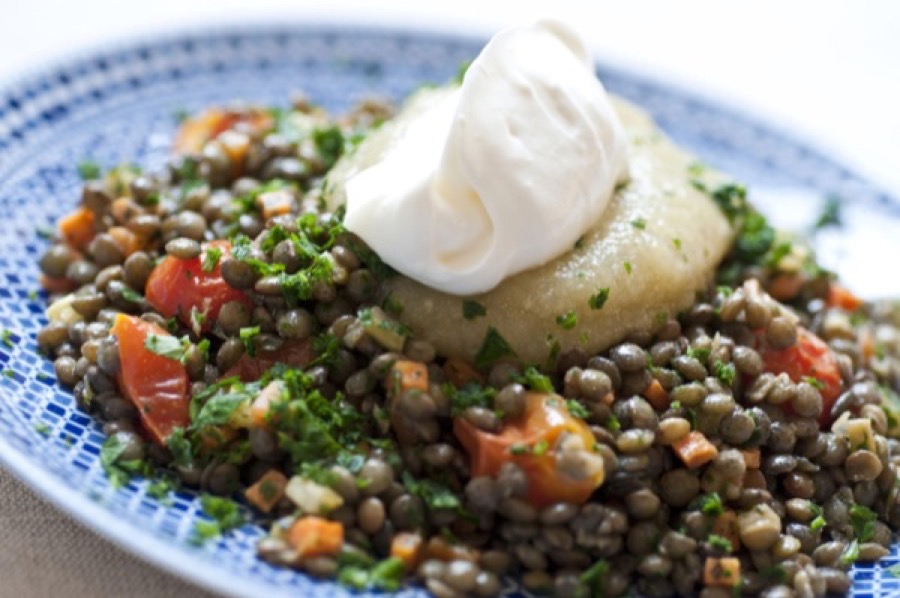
[[44, 553]]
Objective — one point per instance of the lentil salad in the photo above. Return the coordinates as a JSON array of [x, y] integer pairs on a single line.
[[743, 446]]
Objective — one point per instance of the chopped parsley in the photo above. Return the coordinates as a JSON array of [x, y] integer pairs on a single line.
[[535, 380], [471, 394], [211, 259], [851, 553], [576, 409], [129, 294], [711, 504], [720, 543], [180, 447], [435, 494], [225, 515], [385, 575], [568, 320], [677, 243], [88, 170], [699, 353], [168, 346], [830, 214], [863, 519], [595, 577], [627, 266], [639, 223], [725, 372], [814, 382], [248, 338], [540, 447], [119, 472], [493, 348], [472, 309], [218, 409], [894, 570], [160, 489], [329, 143], [613, 424], [598, 299], [42, 428], [7, 338]]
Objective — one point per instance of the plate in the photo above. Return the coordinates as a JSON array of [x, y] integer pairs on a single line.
[[120, 105]]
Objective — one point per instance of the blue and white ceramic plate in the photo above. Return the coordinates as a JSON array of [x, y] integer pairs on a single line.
[[119, 106]]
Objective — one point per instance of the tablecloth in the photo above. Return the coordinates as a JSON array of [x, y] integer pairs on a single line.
[[44, 553]]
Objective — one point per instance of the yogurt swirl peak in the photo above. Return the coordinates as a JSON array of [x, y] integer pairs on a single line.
[[498, 176]]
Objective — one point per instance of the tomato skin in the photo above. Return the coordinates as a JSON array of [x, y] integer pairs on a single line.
[[293, 353], [176, 286], [156, 385], [810, 356], [545, 418]]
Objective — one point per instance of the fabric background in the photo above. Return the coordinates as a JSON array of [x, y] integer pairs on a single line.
[[44, 553]]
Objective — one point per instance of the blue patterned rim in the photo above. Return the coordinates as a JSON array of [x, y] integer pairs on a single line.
[[118, 105]]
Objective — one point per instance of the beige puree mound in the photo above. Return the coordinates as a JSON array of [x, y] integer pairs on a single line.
[[657, 244]]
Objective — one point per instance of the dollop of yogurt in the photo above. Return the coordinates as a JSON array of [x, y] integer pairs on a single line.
[[501, 175]]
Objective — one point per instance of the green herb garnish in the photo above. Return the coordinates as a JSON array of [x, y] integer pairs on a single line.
[[211, 259], [493, 348], [88, 170], [711, 504], [129, 294], [472, 309], [535, 380], [225, 516], [598, 299], [568, 320], [863, 519], [720, 543], [248, 338], [576, 409]]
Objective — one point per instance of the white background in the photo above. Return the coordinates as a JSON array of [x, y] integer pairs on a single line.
[[829, 71]]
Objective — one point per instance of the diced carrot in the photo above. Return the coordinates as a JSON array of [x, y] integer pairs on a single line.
[[200, 128], [726, 526], [77, 228], [215, 437], [275, 203], [867, 345], [406, 375], [57, 285], [754, 478], [124, 209], [235, 145], [839, 296], [751, 458], [409, 548], [266, 492], [315, 536], [695, 450], [127, 241], [657, 395], [439, 549], [459, 373], [724, 572], [785, 287], [259, 409]]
